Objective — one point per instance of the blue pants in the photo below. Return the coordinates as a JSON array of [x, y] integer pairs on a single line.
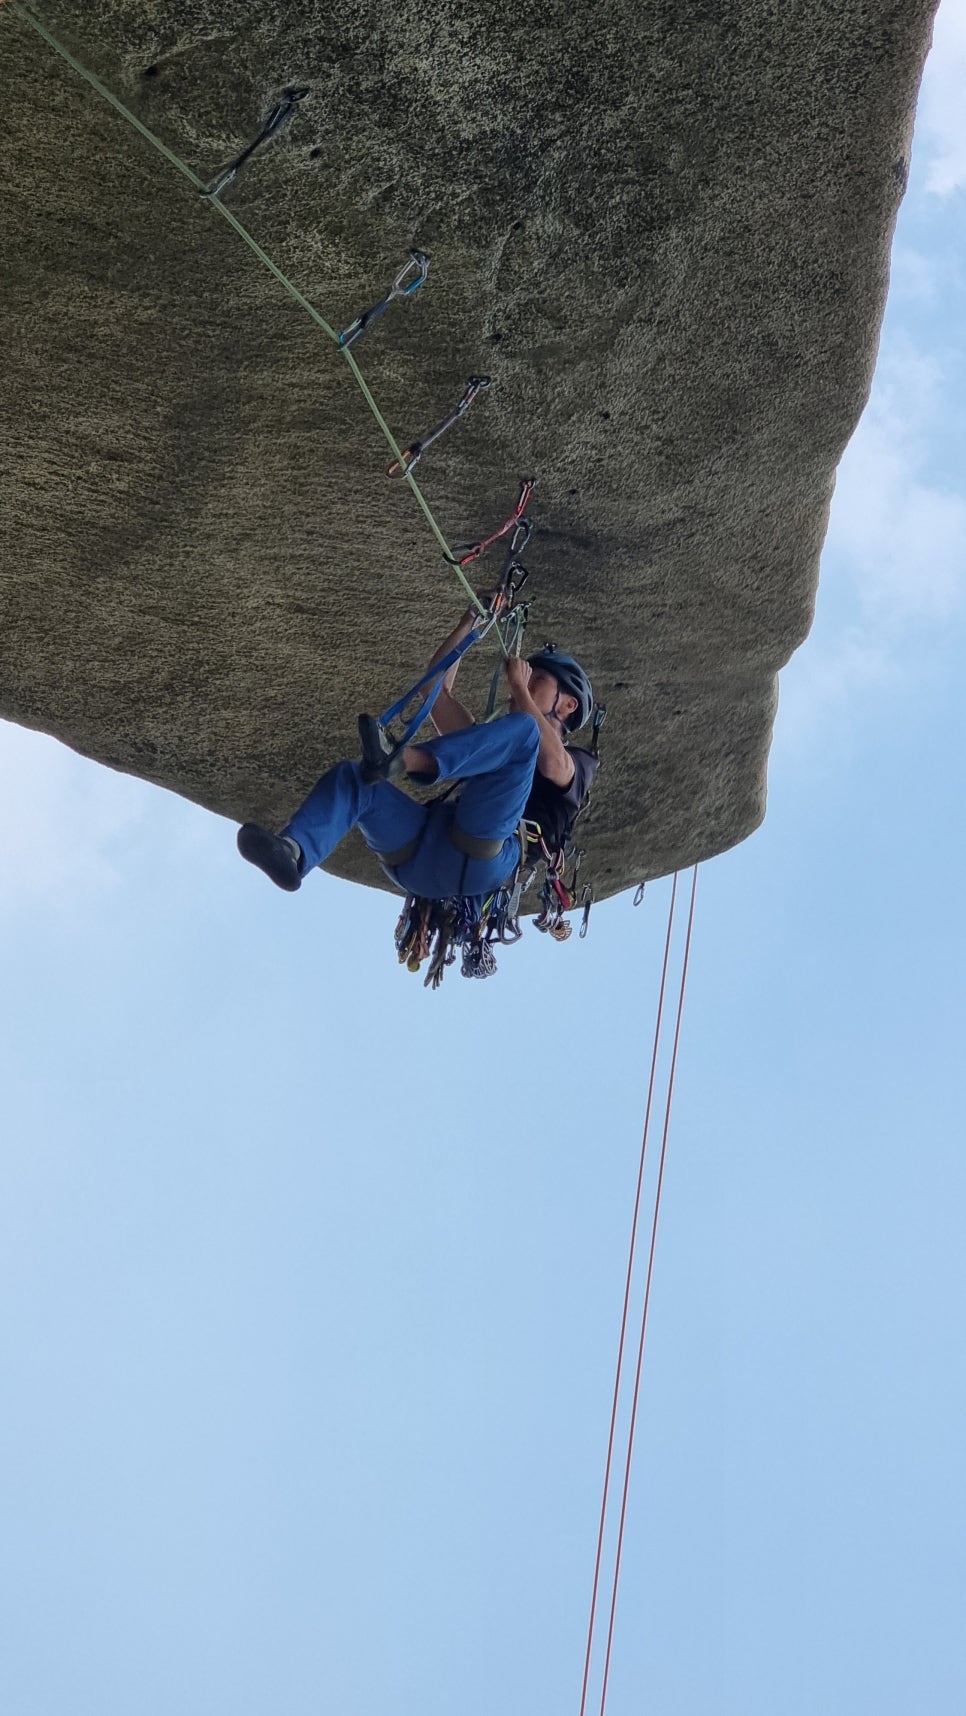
[[496, 761]]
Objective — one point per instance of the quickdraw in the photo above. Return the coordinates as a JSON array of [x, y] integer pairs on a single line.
[[512, 614], [464, 554], [281, 112], [410, 458], [402, 287]]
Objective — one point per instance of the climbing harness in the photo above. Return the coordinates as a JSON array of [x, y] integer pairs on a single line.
[[280, 113], [402, 287], [405, 462], [465, 554]]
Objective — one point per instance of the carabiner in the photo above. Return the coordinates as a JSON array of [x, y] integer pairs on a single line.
[[586, 900], [638, 897], [518, 576]]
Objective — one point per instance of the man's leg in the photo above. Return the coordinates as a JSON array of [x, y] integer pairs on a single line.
[[387, 819], [496, 759]]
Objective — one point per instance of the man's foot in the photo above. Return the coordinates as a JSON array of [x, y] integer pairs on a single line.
[[381, 759], [277, 854]]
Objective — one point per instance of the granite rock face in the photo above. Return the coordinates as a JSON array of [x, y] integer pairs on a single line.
[[661, 226]]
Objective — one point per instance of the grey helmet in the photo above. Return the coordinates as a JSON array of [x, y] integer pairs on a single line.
[[571, 678]]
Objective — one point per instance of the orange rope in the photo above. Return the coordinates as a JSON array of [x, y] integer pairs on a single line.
[[647, 1292], [627, 1296]]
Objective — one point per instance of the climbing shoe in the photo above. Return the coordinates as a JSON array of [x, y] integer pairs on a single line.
[[276, 854], [381, 759]]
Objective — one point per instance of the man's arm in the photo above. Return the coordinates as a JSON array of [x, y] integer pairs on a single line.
[[554, 761], [448, 713]]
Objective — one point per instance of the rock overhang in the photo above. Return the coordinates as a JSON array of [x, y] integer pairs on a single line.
[[663, 230]]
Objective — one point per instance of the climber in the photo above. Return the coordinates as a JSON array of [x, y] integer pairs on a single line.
[[518, 765]]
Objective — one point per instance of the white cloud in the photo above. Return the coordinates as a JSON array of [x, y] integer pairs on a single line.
[[903, 536], [894, 565], [941, 124]]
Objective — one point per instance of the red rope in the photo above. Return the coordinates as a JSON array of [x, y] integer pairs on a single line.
[[647, 1292], [627, 1295]]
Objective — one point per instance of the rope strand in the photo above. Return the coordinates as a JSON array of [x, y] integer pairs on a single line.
[[627, 1296], [647, 1292]]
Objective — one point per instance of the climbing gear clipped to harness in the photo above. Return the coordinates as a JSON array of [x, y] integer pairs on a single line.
[[437, 930], [557, 896], [281, 112], [466, 553], [571, 679], [402, 287], [411, 456]]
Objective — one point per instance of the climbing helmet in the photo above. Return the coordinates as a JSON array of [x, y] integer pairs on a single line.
[[571, 679]]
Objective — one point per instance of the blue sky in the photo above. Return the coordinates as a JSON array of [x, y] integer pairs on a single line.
[[310, 1282]]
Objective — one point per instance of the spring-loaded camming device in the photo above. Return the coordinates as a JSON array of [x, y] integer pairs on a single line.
[[402, 287], [414, 452], [276, 119]]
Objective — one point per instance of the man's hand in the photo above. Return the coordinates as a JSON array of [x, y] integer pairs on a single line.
[[518, 678]]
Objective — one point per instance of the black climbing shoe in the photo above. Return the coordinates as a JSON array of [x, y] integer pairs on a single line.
[[276, 854], [381, 759]]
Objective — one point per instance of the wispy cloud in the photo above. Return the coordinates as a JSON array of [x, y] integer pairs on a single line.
[[941, 123]]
